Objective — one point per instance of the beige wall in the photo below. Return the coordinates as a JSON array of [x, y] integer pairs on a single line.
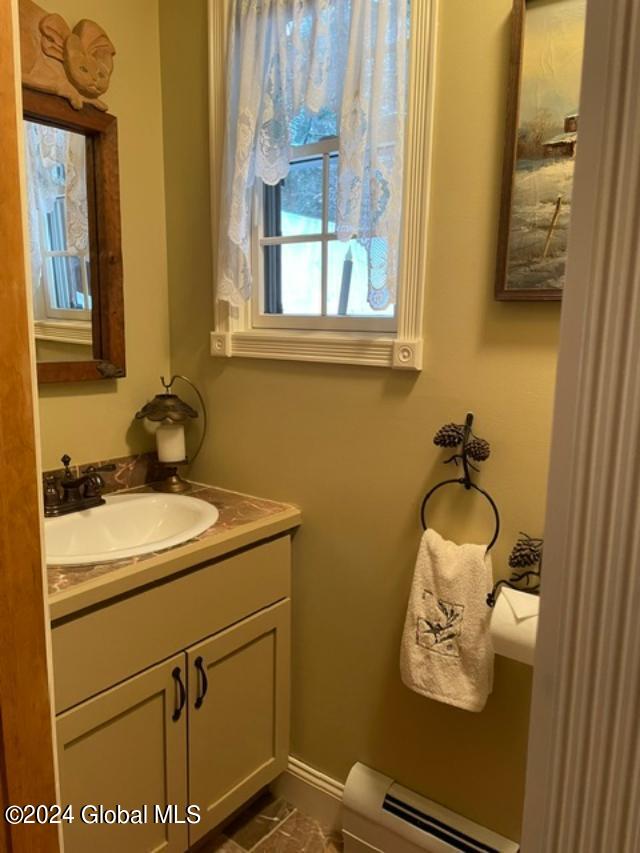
[[353, 446], [92, 420]]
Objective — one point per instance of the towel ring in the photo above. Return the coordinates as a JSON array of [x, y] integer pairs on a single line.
[[468, 485]]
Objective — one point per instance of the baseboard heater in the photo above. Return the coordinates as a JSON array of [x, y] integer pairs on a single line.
[[380, 816]]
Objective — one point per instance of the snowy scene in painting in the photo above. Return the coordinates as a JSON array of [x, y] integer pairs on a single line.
[[546, 144]]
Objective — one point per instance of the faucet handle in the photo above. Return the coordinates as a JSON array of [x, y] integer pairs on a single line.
[[94, 483], [66, 459], [51, 493]]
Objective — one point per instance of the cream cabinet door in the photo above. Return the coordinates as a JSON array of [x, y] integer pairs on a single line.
[[127, 747], [238, 713]]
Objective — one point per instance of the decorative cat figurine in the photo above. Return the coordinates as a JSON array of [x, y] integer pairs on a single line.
[[75, 64]]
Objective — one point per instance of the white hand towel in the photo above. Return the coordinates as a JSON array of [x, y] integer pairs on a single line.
[[447, 653]]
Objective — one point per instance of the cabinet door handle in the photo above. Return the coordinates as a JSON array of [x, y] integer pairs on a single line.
[[183, 694], [205, 682]]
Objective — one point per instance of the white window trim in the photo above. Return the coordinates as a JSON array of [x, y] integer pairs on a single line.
[[234, 333]]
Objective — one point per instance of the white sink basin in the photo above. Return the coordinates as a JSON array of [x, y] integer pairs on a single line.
[[126, 526]]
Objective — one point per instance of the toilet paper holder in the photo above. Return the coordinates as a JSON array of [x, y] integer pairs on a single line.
[[525, 555]]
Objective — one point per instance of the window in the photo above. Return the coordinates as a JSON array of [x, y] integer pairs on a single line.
[[59, 233], [287, 287], [306, 277], [65, 271]]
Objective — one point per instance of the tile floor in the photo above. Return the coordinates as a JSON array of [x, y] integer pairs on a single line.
[[272, 825]]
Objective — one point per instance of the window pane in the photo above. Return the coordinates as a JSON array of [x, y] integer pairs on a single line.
[[307, 128], [66, 283], [347, 282], [87, 269], [301, 199], [333, 192], [56, 227], [300, 281]]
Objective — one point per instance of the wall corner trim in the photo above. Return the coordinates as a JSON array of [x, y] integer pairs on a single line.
[[407, 355], [221, 344]]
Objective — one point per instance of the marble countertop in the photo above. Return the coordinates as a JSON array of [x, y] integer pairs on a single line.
[[243, 520]]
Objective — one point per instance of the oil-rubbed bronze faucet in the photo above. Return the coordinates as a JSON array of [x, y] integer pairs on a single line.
[[66, 494]]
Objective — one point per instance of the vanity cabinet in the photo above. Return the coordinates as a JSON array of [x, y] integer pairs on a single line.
[[238, 714], [123, 747], [208, 725]]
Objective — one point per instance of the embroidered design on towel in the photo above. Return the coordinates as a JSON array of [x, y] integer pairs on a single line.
[[441, 626]]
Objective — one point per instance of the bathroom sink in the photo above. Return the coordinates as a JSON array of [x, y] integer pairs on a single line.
[[125, 526]]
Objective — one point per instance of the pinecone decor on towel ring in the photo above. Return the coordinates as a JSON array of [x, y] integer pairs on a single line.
[[455, 435], [450, 435], [479, 449], [467, 446], [460, 435]]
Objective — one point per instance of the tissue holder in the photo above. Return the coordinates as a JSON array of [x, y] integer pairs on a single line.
[[514, 625]]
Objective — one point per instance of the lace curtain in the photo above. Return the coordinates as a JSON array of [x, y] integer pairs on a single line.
[[56, 168], [303, 69]]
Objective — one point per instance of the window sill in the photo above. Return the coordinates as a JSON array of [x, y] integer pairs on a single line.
[[63, 331], [332, 348]]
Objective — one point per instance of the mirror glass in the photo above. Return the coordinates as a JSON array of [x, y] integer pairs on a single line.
[[60, 237]]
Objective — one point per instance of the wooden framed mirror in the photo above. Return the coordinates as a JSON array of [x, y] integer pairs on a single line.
[[76, 259]]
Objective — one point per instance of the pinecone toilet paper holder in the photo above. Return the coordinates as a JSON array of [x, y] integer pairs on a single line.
[[471, 447], [525, 561]]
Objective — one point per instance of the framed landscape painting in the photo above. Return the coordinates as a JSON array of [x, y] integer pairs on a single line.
[[540, 148]]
